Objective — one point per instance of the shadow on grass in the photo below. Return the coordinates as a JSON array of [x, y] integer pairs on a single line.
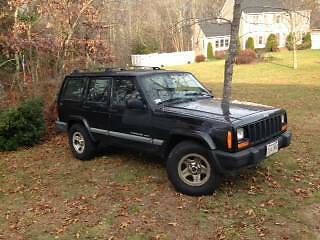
[[128, 153], [280, 64]]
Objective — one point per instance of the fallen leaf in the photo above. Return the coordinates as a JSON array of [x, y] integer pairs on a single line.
[[174, 224]]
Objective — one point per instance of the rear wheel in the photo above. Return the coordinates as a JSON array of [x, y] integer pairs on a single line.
[[191, 170], [80, 142]]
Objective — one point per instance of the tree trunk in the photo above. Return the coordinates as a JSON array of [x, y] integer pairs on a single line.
[[16, 56], [195, 34], [293, 30], [229, 64]]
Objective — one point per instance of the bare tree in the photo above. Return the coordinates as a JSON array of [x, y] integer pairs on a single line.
[[230, 61]]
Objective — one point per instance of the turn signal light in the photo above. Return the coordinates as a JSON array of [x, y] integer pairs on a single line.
[[243, 145], [229, 140], [284, 127]]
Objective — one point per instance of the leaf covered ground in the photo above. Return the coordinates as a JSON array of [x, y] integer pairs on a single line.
[[46, 194]]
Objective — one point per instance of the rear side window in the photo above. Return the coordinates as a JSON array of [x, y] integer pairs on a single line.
[[98, 90], [74, 89]]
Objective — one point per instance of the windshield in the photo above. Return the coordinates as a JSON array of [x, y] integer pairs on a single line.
[[173, 87]]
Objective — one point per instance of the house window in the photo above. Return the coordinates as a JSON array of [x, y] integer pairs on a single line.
[[260, 39], [256, 19], [221, 42], [277, 18], [217, 43], [226, 41]]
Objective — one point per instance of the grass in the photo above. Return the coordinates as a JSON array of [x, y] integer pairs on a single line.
[[46, 194]]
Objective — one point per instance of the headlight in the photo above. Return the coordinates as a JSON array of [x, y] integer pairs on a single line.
[[283, 119], [240, 134]]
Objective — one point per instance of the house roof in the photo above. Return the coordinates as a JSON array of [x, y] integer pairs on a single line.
[[215, 29], [259, 6], [315, 21]]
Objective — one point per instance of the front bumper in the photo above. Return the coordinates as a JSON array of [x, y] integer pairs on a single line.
[[229, 163]]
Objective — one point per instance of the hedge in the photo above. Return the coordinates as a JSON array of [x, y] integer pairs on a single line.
[[200, 58], [306, 42], [22, 126], [272, 43], [289, 42], [210, 51], [247, 56], [250, 43]]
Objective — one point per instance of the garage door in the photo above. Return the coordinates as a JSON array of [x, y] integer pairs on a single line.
[[315, 40]]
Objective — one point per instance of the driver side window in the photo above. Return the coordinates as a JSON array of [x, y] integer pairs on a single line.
[[123, 90]]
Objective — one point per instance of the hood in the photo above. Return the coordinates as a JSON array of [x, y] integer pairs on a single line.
[[213, 108]]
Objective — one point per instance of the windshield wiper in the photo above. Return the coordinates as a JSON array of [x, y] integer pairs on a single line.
[[201, 94], [175, 100]]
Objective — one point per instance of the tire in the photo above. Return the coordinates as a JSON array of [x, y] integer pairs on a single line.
[[192, 158], [83, 148]]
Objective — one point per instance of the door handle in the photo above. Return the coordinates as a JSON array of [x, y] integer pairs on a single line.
[[113, 110], [86, 106]]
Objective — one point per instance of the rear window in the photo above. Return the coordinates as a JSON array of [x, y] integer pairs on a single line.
[[74, 89]]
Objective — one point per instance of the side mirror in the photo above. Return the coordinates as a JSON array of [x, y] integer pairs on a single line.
[[135, 104]]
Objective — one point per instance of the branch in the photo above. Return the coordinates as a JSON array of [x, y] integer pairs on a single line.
[[75, 23], [5, 62]]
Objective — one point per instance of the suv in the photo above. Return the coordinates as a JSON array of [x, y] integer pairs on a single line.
[[173, 115]]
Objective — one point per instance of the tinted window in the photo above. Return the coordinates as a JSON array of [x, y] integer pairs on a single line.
[[98, 90], [124, 90], [74, 89]]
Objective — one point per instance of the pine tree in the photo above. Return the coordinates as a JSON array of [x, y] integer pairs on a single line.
[[210, 54]]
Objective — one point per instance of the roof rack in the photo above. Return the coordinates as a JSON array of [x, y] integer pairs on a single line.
[[85, 70], [146, 68], [116, 69]]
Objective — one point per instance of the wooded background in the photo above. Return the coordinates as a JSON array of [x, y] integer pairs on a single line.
[[40, 41]]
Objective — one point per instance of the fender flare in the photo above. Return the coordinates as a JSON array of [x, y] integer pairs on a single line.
[[205, 137], [84, 122]]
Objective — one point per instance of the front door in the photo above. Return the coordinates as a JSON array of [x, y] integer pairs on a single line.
[[129, 126]]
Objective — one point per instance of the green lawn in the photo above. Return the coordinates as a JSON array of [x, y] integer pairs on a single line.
[[46, 194]]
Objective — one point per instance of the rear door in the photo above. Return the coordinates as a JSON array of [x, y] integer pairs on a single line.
[[96, 103]]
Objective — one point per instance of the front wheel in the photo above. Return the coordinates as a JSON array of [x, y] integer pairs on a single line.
[[191, 170]]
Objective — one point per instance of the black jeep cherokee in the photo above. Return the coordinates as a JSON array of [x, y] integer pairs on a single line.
[[172, 114]]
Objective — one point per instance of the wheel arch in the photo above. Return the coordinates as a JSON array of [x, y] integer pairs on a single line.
[[197, 136], [80, 120]]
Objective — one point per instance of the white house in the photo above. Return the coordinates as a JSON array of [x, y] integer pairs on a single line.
[[259, 19], [216, 33]]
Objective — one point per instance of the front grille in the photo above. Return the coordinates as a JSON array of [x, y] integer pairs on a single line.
[[264, 129]]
